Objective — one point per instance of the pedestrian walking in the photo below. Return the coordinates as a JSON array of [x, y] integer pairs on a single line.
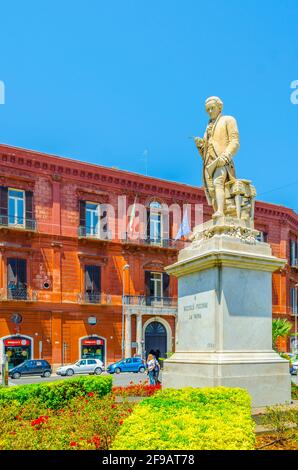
[[151, 364], [156, 371]]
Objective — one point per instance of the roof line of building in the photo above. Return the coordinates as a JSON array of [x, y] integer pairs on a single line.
[[115, 172]]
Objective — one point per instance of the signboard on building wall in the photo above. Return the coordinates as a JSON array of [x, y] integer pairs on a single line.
[[92, 342], [17, 342]]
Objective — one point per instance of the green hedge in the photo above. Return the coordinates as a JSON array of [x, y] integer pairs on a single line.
[[189, 418], [57, 394]]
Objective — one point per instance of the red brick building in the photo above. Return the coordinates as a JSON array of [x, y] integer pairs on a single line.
[[62, 282]]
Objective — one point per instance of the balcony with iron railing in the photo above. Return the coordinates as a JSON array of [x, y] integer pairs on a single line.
[[18, 293], [106, 235], [84, 231], [19, 223], [98, 298], [150, 304], [160, 242]]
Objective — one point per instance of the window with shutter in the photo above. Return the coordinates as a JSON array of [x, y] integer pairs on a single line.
[[155, 223], [293, 253], [92, 219], [166, 284], [3, 205], [29, 219], [17, 278], [82, 227], [147, 286], [16, 207], [294, 300], [92, 284]]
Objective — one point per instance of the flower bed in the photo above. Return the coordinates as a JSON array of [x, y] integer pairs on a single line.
[[57, 394], [136, 390], [210, 418], [294, 390], [88, 422]]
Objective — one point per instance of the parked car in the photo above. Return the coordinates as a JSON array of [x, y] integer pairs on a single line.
[[131, 364], [31, 367], [83, 366], [294, 368]]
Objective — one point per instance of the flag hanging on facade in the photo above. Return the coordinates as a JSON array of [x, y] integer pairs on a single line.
[[132, 215], [184, 228]]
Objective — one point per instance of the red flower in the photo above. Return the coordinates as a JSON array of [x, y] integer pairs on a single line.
[[73, 444], [90, 394], [129, 410], [39, 421], [113, 406], [61, 411], [121, 421]]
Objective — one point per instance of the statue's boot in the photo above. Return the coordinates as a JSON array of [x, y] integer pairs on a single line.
[[220, 201]]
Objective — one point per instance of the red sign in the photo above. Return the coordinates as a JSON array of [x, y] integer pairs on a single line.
[[17, 342], [92, 342]]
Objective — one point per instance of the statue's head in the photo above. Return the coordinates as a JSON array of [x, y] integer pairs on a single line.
[[213, 106]]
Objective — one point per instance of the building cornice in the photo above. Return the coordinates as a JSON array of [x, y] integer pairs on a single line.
[[24, 162], [58, 167]]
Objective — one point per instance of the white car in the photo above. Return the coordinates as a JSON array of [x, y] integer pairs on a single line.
[[83, 366]]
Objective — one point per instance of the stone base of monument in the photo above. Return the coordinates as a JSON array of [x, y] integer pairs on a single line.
[[224, 325]]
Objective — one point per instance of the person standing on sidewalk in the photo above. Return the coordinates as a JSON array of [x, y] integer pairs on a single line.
[[151, 364]]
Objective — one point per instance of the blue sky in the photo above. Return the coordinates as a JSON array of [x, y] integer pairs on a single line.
[[103, 81]]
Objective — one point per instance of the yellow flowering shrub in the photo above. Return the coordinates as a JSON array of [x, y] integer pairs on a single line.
[[216, 418]]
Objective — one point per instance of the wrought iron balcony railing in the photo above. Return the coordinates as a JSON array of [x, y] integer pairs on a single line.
[[92, 298], [160, 242], [151, 301], [17, 293], [93, 232], [13, 221]]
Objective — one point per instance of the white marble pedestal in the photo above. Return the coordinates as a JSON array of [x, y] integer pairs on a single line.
[[224, 326]]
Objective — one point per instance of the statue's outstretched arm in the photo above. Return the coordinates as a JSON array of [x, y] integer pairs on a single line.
[[200, 144]]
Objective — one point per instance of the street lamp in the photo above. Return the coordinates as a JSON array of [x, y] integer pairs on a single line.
[[125, 268]]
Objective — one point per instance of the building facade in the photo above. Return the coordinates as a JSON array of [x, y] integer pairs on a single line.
[[74, 286]]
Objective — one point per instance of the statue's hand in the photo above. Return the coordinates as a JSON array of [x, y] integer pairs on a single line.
[[224, 159], [199, 142]]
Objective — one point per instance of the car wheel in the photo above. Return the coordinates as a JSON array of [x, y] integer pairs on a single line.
[[97, 371], [69, 372], [117, 370], [47, 373], [142, 370], [16, 375]]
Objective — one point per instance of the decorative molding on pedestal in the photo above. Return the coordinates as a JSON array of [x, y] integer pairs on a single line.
[[224, 324]]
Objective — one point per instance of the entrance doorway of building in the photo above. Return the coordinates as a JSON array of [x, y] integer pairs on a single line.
[[156, 338], [18, 349], [93, 347]]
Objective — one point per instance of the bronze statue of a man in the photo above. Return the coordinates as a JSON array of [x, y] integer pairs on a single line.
[[217, 148]]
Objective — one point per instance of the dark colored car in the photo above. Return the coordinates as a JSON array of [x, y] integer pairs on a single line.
[[131, 364], [31, 367]]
